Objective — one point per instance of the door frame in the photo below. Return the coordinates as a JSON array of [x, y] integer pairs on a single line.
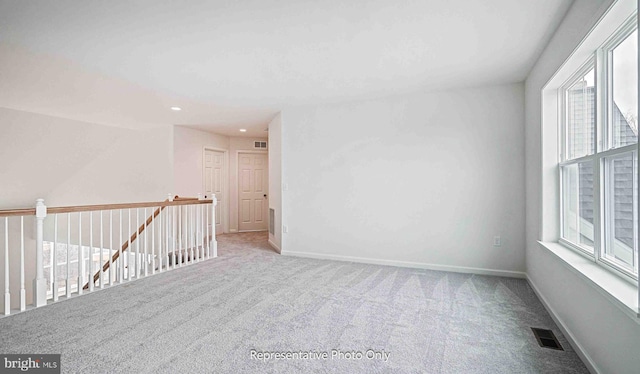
[[225, 184], [238, 152]]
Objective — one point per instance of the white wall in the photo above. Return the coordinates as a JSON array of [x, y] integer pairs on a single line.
[[68, 162], [414, 180], [604, 333], [275, 178]]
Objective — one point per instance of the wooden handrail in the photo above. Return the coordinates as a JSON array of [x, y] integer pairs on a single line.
[[87, 208], [162, 204], [18, 212]]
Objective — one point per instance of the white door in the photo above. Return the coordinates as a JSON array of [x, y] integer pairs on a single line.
[[253, 182], [214, 182]]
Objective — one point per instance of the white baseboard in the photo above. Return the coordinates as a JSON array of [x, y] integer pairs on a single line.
[[233, 231], [408, 264], [565, 331], [274, 246]]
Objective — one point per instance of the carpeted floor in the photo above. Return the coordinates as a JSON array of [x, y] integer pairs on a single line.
[[208, 317]]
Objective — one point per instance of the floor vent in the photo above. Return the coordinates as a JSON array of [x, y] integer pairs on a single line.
[[546, 339]]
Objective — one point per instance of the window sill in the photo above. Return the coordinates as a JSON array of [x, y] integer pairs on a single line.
[[618, 291]]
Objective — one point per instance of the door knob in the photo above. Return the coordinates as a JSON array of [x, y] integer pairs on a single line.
[[265, 195]]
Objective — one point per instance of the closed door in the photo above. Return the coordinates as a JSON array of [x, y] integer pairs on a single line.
[[253, 182], [214, 183]]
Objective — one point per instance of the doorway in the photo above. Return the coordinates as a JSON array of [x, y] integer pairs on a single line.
[[214, 182], [253, 191]]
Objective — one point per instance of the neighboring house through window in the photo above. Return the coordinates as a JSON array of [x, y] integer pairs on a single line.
[[598, 154]]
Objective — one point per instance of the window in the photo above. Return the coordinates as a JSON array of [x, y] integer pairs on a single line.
[[598, 154], [623, 69]]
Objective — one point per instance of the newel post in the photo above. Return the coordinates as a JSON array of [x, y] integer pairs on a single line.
[[40, 284], [214, 242]]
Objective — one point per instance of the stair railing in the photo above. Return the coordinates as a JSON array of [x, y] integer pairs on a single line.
[[70, 250]]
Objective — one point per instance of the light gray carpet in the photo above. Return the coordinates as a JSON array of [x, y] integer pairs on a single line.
[[207, 318]]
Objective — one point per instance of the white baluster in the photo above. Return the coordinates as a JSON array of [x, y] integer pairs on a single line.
[[40, 284], [23, 292], [185, 232], [194, 213], [204, 231], [190, 227], [110, 248], [54, 259], [91, 270], [165, 230], [160, 254], [153, 242], [7, 295], [137, 262], [101, 269], [120, 258], [206, 240], [195, 232], [174, 230], [202, 227], [167, 234], [80, 256], [199, 223], [214, 242], [196, 209], [127, 262], [181, 257], [50, 273], [200, 233], [170, 235], [146, 252], [68, 279]]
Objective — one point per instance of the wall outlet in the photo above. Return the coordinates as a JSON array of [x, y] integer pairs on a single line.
[[497, 241], [285, 229]]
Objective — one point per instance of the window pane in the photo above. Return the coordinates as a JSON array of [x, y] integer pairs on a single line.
[[580, 116], [621, 199], [577, 188], [624, 115]]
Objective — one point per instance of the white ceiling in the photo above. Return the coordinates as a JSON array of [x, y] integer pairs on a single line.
[[233, 64]]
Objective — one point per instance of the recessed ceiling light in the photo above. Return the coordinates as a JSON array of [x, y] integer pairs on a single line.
[[176, 108], [243, 130]]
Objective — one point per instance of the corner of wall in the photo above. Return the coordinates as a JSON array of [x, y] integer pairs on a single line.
[[275, 179]]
